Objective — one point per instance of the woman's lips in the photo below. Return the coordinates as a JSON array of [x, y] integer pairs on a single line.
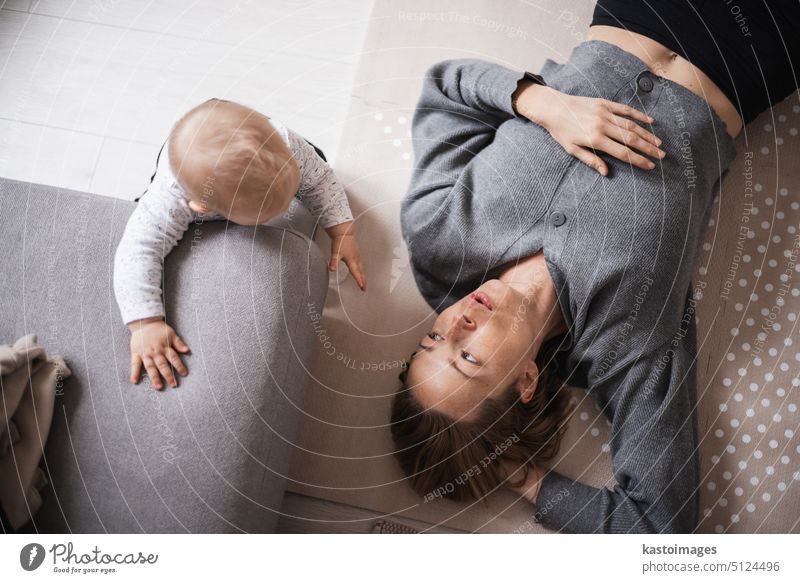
[[482, 299]]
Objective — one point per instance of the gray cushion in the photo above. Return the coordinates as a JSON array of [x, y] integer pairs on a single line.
[[209, 456]]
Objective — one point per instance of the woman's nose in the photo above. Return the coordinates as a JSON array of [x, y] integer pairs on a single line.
[[464, 321]]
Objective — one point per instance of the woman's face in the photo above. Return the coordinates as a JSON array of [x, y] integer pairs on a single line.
[[476, 348]]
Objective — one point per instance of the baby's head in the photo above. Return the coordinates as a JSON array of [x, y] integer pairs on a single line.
[[232, 161]]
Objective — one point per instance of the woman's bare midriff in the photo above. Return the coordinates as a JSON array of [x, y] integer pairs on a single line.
[[666, 63]]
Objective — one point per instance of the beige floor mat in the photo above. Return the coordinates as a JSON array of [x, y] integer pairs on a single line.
[[750, 346]]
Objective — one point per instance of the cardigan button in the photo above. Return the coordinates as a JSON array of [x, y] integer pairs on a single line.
[[645, 83], [558, 218]]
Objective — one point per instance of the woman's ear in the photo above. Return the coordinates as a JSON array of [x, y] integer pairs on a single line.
[[528, 381], [198, 207]]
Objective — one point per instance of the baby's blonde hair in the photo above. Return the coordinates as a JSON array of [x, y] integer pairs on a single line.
[[229, 158]]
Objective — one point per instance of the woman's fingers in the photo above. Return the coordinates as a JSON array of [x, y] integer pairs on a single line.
[[166, 370], [136, 368], [599, 125], [632, 126], [624, 153], [628, 111], [589, 158], [633, 140], [152, 372]]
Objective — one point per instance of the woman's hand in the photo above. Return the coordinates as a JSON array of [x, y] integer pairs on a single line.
[[582, 124], [155, 345], [514, 472]]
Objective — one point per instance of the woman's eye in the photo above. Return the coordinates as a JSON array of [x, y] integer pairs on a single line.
[[468, 357], [434, 336]]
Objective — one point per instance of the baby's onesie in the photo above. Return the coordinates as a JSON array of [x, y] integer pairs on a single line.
[[163, 215]]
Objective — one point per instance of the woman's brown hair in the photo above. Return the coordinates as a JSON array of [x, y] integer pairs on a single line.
[[458, 460]]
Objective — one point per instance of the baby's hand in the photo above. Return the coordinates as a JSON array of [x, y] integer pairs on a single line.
[[154, 345], [344, 248]]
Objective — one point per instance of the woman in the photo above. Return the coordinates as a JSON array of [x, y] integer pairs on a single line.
[[555, 237]]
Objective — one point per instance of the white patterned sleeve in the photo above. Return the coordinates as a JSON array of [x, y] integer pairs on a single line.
[[159, 221], [320, 192]]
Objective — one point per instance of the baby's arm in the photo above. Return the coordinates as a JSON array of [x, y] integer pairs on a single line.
[[153, 229], [156, 225], [322, 194]]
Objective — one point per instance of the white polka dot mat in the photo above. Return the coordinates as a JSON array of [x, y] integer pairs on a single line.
[[751, 370]]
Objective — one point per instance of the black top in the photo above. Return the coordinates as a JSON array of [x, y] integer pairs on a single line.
[[750, 49]]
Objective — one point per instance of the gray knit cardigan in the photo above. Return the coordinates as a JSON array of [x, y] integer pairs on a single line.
[[490, 187]]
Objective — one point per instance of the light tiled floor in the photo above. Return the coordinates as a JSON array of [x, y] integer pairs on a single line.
[[90, 88]]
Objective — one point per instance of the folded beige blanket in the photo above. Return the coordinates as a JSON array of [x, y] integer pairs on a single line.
[[29, 381]]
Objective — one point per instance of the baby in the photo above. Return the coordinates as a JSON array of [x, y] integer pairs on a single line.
[[222, 160]]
